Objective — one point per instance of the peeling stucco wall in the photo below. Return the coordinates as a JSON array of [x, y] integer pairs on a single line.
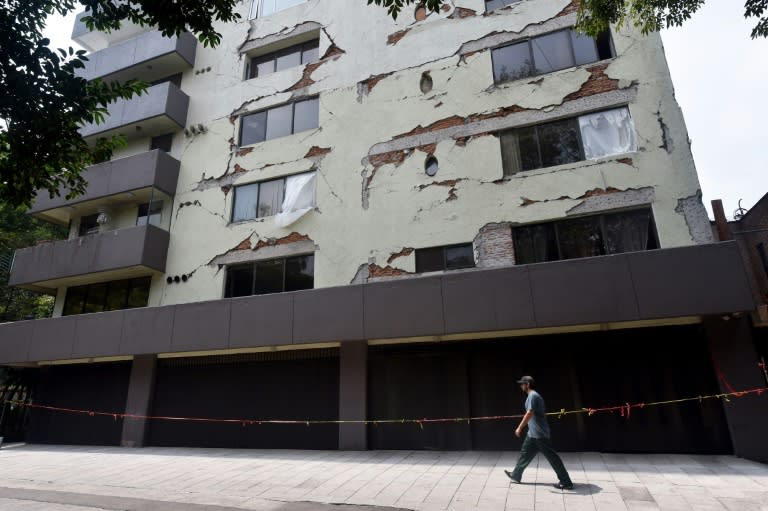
[[377, 127]]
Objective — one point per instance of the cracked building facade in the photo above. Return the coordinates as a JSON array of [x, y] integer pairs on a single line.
[[337, 215]]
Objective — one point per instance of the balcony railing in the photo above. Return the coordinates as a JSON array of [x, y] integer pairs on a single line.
[[162, 109], [130, 175], [124, 252]]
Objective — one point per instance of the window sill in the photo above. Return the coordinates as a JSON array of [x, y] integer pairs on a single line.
[[505, 83], [569, 166]]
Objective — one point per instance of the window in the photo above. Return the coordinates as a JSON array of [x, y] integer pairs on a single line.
[[162, 142], [453, 257], [290, 196], [107, 296], [174, 79], [271, 276], [297, 55], [150, 213], [89, 224], [492, 5], [612, 233], [547, 53], [279, 121], [260, 8], [587, 137]]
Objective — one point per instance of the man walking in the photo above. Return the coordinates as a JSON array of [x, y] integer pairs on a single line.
[[537, 440]]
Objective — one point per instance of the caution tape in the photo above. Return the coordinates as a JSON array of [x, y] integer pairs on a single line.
[[625, 410]]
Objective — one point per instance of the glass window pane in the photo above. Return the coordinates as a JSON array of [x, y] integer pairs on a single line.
[[138, 296], [604, 47], [552, 52], [491, 5], [246, 198], [239, 281], [279, 121], [430, 259], [510, 153], [300, 273], [289, 58], [580, 237], [269, 277], [311, 52], [74, 301], [263, 65], [512, 62], [627, 232], [94, 300], [307, 115], [270, 197], [162, 142], [253, 128], [535, 244], [267, 7], [584, 48], [117, 296], [462, 256], [529, 148], [89, 225], [153, 214], [559, 142]]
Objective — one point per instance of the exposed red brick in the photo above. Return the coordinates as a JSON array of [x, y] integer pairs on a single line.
[[446, 8], [462, 12], [306, 77], [245, 150], [421, 13], [371, 82], [626, 161], [450, 183], [374, 270], [597, 83], [501, 112], [394, 157], [226, 189], [527, 201], [598, 191], [428, 148], [291, 238], [332, 51], [316, 151], [239, 169], [244, 245], [403, 253], [571, 7], [448, 122], [393, 39]]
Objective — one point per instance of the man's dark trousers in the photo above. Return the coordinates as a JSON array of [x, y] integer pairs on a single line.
[[531, 447]]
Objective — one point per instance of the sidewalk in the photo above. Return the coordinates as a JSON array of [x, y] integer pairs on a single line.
[[57, 478]]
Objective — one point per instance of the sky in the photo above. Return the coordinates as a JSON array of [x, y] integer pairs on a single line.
[[720, 77]]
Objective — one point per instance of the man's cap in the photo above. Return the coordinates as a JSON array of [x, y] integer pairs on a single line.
[[526, 379]]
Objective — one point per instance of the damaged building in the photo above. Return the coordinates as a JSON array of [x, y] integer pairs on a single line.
[[336, 215]]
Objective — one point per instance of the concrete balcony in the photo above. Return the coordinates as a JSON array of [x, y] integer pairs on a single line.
[[129, 179], [105, 256], [95, 40], [162, 109], [656, 287], [149, 57]]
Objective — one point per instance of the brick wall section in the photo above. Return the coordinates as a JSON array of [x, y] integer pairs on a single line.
[[494, 246]]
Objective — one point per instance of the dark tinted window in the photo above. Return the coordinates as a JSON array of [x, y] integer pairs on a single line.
[[150, 213], [528, 143], [310, 52], [612, 233], [559, 142], [548, 53], [253, 128], [89, 225], [288, 59], [306, 116], [271, 276], [452, 257], [246, 202], [107, 296], [279, 121], [162, 142], [174, 79]]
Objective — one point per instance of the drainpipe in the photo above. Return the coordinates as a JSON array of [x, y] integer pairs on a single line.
[[723, 232]]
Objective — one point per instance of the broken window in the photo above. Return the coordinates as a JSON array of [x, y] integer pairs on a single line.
[[287, 198], [296, 55], [453, 257], [89, 224], [260, 8], [547, 53], [492, 5], [271, 276], [279, 121], [589, 236], [589, 136], [107, 296], [150, 213]]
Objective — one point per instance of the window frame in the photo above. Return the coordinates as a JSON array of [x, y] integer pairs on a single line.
[[444, 249], [92, 230], [273, 56], [529, 42], [86, 288], [284, 180], [266, 121], [253, 266], [653, 236]]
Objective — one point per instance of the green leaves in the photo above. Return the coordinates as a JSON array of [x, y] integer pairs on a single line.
[[394, 7]]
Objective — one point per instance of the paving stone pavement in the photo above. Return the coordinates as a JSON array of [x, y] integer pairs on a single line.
[[63, 478]]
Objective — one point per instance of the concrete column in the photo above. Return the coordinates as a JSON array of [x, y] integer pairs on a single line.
[[353, 395], [733, 351], [141, 390]]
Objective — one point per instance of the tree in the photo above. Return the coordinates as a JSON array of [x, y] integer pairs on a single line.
[[647, 15], [43, 102]]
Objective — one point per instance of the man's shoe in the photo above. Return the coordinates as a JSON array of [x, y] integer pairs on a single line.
[[561, 486], [509, 474]]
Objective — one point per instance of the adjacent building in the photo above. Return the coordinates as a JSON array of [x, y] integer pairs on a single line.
[[334, 215]]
